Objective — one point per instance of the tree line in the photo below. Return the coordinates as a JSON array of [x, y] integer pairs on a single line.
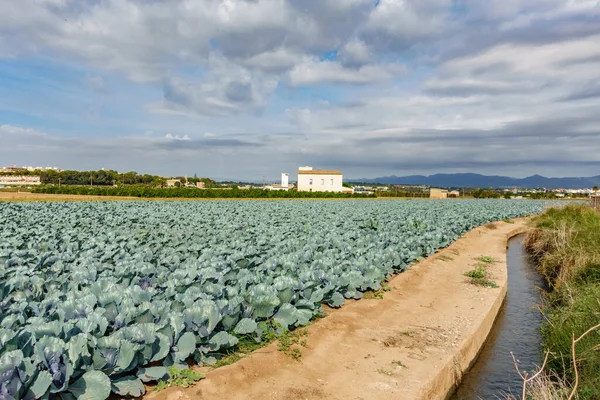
[[98, 178], [153, 192], [105, 178]]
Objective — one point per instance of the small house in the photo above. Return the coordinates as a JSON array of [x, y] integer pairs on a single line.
[[435, 193]]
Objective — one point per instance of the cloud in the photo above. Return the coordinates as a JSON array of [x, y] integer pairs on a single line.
[[355, 54], [299, 116], [313, 72], [372, 86], [177, 137], [227, 89], [589, 91]]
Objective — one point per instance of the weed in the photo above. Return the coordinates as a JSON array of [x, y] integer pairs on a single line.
[[247, 343], [485, 282], [289, 342], [486, 259], [407, 334], [508, 221], [384, 371], [184, 377], [399, 363], [377, 294], [478, 273]]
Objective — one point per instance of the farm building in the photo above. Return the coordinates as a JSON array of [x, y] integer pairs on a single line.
[[435, 193], [319, 180]]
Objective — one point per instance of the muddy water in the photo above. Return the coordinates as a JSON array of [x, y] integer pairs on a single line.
[[517, 329]]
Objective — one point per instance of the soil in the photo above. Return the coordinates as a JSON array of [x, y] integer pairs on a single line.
[[415, 343]]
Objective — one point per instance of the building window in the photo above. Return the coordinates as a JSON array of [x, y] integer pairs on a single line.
[[310, 181], [322, 182], [332, 182]]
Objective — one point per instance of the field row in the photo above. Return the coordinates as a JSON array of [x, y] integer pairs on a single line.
[[95, 292]]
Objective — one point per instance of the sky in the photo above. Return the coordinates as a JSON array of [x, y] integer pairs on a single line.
[[247, 89]]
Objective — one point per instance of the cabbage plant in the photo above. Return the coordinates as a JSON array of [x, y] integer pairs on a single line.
[[106, 296]]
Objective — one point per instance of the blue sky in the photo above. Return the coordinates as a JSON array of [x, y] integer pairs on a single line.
[[241, 89]]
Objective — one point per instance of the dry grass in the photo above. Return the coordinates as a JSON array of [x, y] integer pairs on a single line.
[[491, 226], [565, 243], [545, 387]]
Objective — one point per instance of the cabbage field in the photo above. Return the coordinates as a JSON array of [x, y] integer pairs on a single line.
[[103, 296]]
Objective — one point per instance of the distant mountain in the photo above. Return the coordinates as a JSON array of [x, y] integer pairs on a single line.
[[485, 181]]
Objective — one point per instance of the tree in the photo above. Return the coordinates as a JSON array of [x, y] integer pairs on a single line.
[[208, 182]]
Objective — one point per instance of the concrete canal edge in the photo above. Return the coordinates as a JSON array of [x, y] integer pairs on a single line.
[[450, 376], [415, 343]]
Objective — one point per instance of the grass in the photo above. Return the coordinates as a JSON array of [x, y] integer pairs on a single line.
[[179, 377], [486, 259], [565, 243], [289, 343], [480, 275], [399, 363], [246, 345], [484, 282], [545, 387]]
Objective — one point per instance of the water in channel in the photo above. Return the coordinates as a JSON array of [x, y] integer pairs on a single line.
[[516, 329]]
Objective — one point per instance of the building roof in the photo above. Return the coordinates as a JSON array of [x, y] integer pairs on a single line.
[[319, 172]]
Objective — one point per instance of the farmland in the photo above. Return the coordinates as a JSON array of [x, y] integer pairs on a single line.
[[101, 296]]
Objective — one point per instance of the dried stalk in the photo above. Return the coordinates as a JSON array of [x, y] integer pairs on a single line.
[[525, 377], [573, 343]]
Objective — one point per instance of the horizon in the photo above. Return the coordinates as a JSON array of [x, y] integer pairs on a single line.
[[249, 88], [272, 180]]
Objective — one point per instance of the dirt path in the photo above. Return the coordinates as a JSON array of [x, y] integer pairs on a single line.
[[433, 323]]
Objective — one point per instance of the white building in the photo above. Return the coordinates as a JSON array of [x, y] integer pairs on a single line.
[[319, 180], [284, 185], [20, 180]]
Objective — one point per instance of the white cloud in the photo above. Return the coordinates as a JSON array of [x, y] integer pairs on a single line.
[[170, 136], [312, 72], [355, 53]]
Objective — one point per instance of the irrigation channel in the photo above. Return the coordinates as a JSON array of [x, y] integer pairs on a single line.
[[516, 329]]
